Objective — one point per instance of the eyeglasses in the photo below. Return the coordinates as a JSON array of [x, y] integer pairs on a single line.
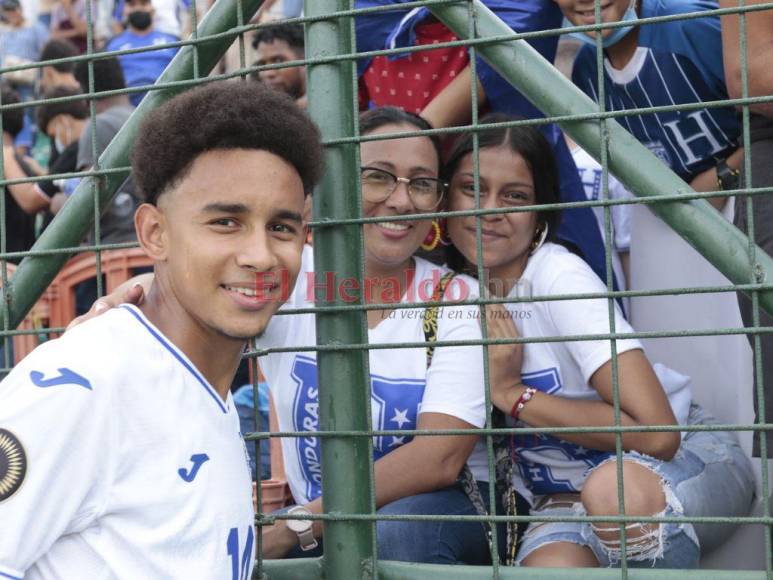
[[377, 185]]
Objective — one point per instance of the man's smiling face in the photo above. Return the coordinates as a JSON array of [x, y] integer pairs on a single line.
[[232, 239]]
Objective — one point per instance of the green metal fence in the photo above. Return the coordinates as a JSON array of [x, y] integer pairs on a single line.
[[345, 429]]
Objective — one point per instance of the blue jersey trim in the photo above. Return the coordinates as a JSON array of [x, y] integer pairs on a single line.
[[4, 575], [175, 354]]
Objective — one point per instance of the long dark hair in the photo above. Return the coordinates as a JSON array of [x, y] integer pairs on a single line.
[[373, 119], [535, 149]]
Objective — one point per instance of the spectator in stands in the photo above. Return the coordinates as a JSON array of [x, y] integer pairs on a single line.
[[399, 177], [142, 68], [22, 201], [670, 63], [570, 384], [61, 74], [117, 224], [759, 50], [169, 16], [276, 45], [69, 21], [20, 44], [63, 123], [437, 84]]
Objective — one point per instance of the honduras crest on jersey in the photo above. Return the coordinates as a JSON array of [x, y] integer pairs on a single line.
[[394, 404]]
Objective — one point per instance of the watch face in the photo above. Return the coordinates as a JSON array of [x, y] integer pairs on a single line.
[[299, 526]]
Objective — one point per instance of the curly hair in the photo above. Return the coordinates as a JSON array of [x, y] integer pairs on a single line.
[[292, 34], [223, 115]]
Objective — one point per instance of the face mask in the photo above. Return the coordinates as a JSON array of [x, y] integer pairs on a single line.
[[617, 33], [60, 145], [140, 20]]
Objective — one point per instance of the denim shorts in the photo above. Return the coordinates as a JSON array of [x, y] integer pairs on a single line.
[[709, 476]]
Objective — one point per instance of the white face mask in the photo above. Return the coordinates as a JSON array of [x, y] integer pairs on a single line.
[[60, 145], [615, 36]]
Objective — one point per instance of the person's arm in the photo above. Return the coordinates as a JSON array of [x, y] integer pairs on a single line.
[[422, 465], [453, 399], [133, 291], [707, 180], [625, 262], [759, 51], [55, 485], [642, 399], [29, 198], [453, 105]]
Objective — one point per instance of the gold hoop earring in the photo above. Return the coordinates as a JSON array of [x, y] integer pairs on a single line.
[[433, 237], [539, 239]]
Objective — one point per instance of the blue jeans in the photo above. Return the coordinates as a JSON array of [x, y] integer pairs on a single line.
[[709, 476], [433, 542]]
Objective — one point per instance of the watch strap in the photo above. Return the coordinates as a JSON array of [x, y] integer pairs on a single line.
[[307, 540], [727, 178]]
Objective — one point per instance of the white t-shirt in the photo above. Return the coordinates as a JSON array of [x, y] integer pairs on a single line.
[[125, 463], [402, 386], [590, 175], [545, 463]]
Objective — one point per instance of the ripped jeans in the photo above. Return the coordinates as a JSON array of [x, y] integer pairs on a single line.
[[709, 476]]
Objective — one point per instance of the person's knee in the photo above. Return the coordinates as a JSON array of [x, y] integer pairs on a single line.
[[644, 495], [642, 487]]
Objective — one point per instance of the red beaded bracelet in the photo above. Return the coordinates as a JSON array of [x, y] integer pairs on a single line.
[[521, 402]]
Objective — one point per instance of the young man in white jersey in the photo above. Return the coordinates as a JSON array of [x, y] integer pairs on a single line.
[[142, 472]]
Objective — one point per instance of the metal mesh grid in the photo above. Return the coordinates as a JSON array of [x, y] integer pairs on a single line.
[[333, 77]]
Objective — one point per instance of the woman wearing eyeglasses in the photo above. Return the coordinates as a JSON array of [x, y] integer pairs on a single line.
[[412, 388]]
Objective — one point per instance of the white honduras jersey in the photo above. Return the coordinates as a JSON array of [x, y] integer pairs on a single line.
[[119, 460], [402, 386], [545, 463]]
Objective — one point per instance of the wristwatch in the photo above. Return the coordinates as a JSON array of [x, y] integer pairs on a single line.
[[302, 528], [727, 178]]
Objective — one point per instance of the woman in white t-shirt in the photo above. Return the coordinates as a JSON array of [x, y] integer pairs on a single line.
[[569, 383]]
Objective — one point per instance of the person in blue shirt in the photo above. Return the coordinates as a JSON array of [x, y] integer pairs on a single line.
[[142, 68], [668, 63], [397, 28]]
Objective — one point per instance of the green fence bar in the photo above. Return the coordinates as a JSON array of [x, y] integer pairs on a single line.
[[405, 571], [310, 569], [630, 161], [344, 395], [72, 223]]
